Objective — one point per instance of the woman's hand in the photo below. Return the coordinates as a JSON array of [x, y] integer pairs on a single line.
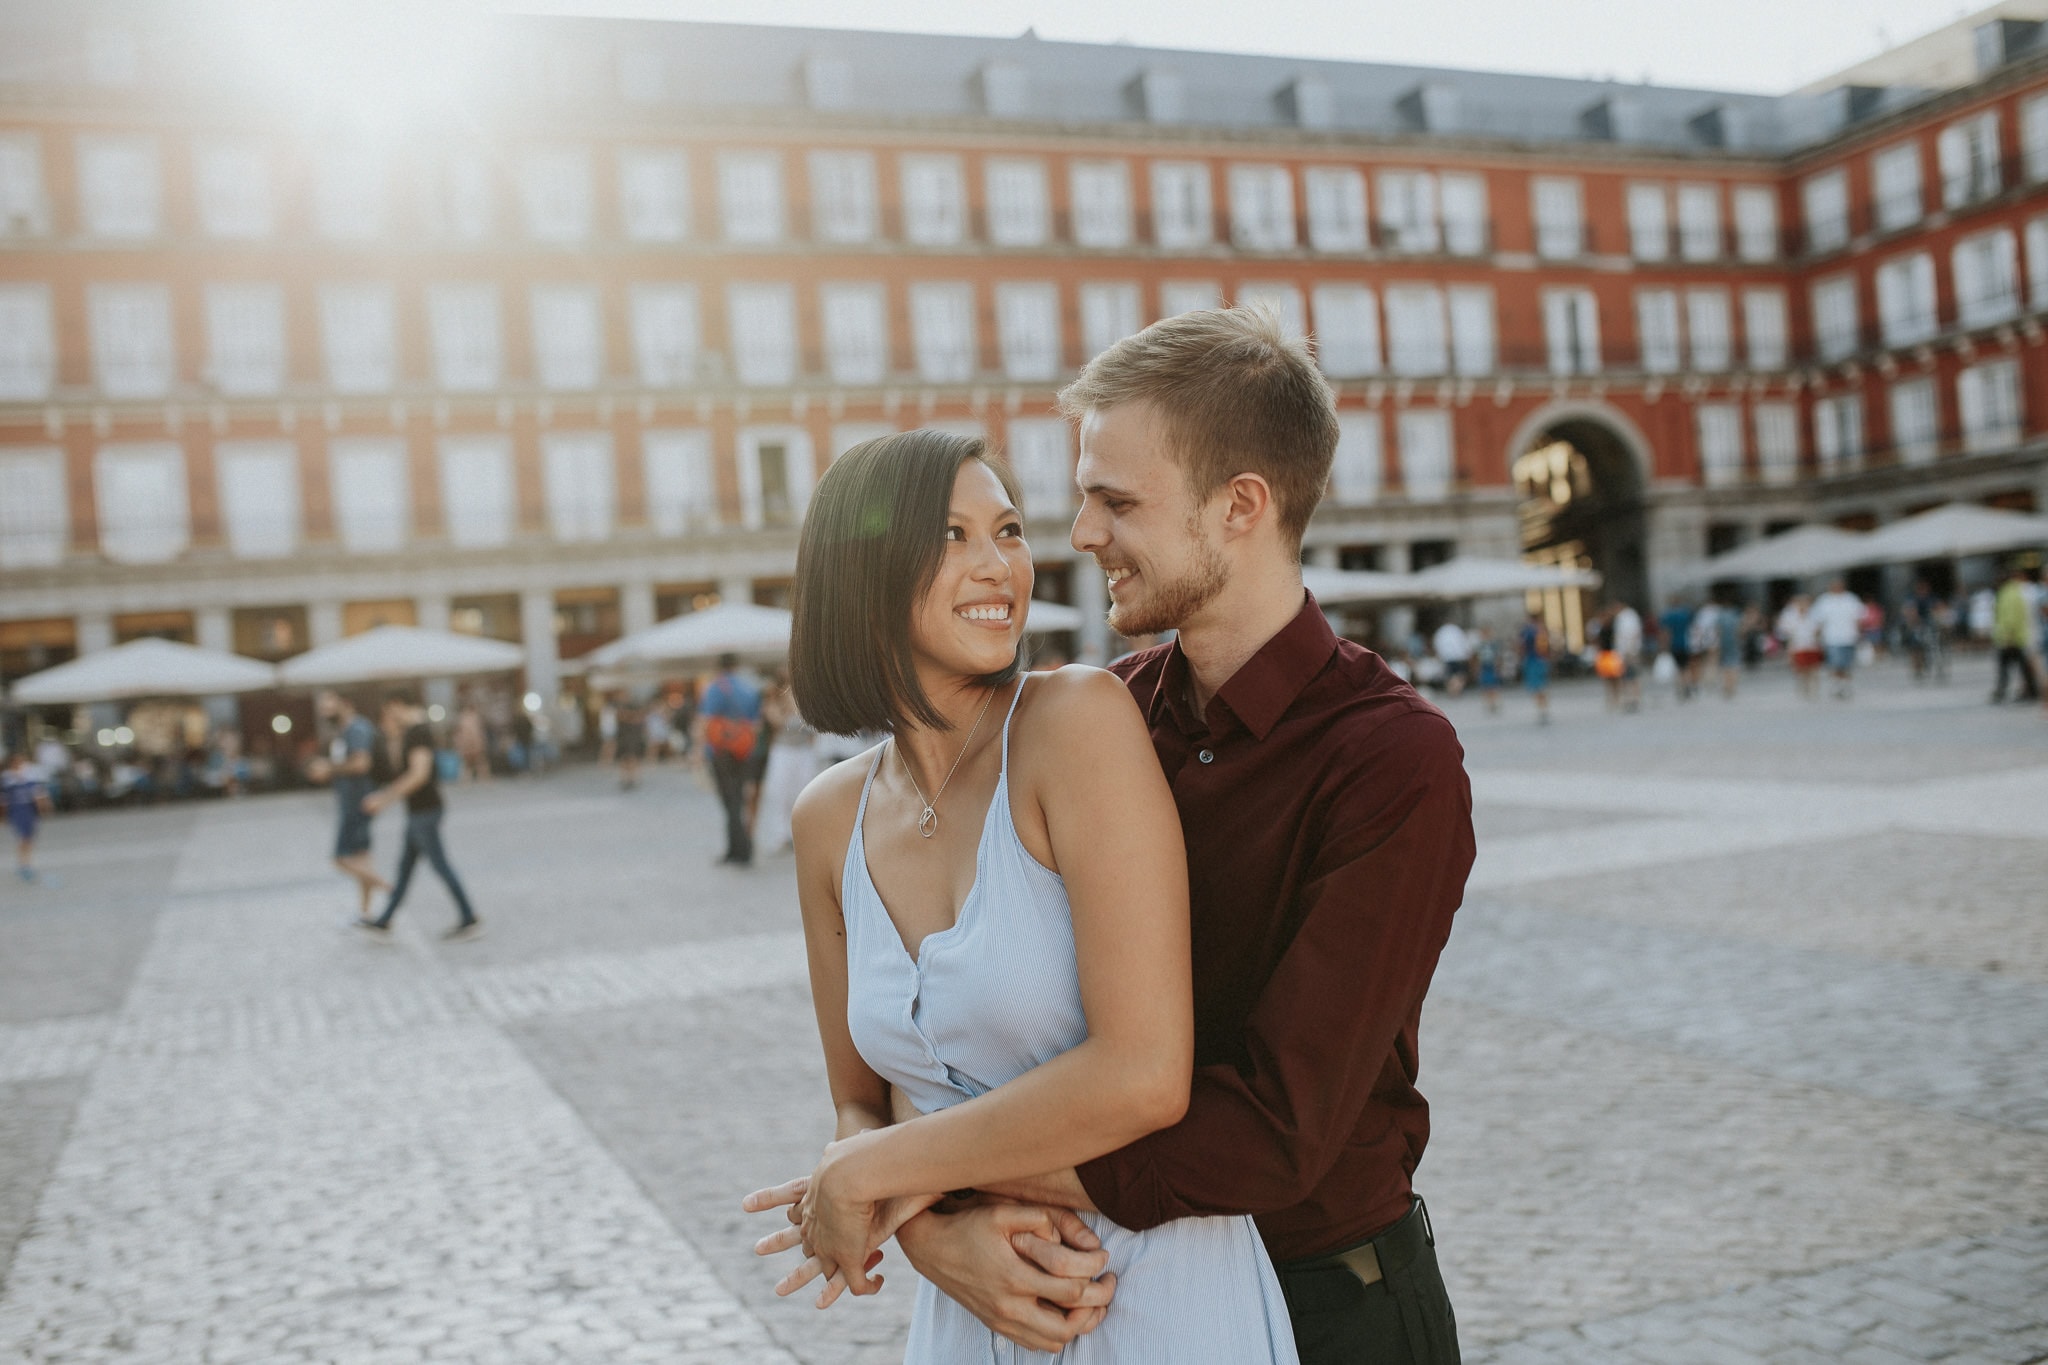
[[891, 1214]]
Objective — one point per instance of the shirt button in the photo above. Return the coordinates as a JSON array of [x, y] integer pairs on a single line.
[[1207, 755]]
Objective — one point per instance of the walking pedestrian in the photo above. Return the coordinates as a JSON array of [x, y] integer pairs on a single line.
[[2012, 635], [1676, 624], [630, 742], [350, 754], [1534, 643], [1838, 613], [472, 743], [1801, 634], [1731, 632], [729, 717], [27, 796], [1453, 649], [1486, 657], [792, 763], [405, 770]]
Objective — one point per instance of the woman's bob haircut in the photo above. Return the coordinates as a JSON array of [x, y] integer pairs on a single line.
[[871, 545]]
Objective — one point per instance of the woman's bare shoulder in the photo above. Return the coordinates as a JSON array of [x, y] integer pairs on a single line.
[[1077, 706], [824, 810]]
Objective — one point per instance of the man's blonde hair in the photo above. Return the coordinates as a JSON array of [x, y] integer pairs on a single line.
[[1237, 397]]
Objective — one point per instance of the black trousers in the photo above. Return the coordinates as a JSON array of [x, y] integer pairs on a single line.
[[1405, 1319], [2009, 658], [732, 775]]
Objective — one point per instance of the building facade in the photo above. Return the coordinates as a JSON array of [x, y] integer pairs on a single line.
[[567, 359]]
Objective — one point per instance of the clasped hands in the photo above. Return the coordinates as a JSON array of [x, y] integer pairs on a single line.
[[1032, 1273]]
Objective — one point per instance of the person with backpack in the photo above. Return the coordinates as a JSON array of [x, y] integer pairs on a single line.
[[729, 724], [1534, 642]]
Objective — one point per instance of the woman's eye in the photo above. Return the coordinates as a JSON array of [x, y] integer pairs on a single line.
[[955, 533]]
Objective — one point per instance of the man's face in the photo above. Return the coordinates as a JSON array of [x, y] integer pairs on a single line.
[[1142, 524]]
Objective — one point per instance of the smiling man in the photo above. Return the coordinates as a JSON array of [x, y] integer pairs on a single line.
[[1329, 833]]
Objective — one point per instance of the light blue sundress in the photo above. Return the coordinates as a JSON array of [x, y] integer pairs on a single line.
[[985, 1001]]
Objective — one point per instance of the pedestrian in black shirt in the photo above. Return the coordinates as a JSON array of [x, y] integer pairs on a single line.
[[404, 767]]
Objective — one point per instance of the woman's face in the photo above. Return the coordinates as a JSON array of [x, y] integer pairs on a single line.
[[971, 618]]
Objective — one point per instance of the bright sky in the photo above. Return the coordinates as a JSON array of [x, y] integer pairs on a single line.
[[1761, 45]]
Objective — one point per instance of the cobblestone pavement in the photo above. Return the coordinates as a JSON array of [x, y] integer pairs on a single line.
[[1739, 1053]]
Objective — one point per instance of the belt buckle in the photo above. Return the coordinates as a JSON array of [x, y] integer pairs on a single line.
[[1364, 1262]]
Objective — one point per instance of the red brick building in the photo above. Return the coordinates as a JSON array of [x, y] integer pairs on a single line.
[[563, 352]]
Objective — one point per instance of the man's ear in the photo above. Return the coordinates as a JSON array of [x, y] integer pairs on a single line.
[[1248, 505]]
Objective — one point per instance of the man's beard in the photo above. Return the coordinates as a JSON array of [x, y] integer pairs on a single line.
[[1167, 606]]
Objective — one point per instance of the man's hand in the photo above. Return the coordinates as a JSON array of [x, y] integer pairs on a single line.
[[376, 801], [1028, 1272]]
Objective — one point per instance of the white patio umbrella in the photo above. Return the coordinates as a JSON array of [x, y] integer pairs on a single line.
[[1462, 578], [1798, 553], [756, 633], [1340, 587], [388, 653], [145, 668], [1955, 531], [1048, 617]]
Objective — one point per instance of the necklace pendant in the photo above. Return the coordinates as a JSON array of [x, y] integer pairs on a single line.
[[928, 823]]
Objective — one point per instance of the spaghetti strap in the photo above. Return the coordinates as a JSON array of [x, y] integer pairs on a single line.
[[1008, 716], [860, 817]]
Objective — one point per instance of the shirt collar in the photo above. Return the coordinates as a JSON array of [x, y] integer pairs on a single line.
[[1262, 689]]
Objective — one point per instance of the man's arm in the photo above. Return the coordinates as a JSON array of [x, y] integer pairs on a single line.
[[419, 766], [1380, 898]]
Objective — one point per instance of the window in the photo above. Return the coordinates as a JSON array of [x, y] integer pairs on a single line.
[[1777, 441], [139, 492], [1838, 432], [234, 189], [1355, 474], [1109, 313], [1181, 214], [1571, 331], [1835, 325], [119, 189], [763, 322], [1699, 222], [1408, 220], [28, 349], [2037, 263], [372, 500], [843, 196], [942, 332], [1657, 329], [1987, 278], [357, 327], [1028, 329], [1425, 440], [1916, 421], [568, 336], [682, 493], [468, 336], [1824, 199], [35, 511], [1102, 203], [461, 200], [1336, 208], [1042, 452], [1720, 437], [1895, 185], [245, 347], [554, 184], [1472, 333], [1019, 212], [664, 319], [654, 194], [131, 339], [1417, 339], [1560, 220], [1708, 324], [1649, 222], [2034, 138], [582, 489], [1763, 327], [1988, 401], [1464, 206], [775, 475], [1756, 222], [934, 200], [856, 319], [1347, 330], [1283, 301], [1262, 208], [477, 498], [1905, 299], [259, 497], [24, 204], [847, 435], [750, 196], [348, 193], [1968, 152], [1186, 296]]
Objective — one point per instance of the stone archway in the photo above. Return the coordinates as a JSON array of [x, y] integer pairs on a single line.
[[1580, 471]]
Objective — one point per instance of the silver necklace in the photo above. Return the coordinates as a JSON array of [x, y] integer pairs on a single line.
[[928, 821]]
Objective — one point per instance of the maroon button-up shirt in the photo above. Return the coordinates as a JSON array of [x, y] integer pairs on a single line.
[[1329, 832]]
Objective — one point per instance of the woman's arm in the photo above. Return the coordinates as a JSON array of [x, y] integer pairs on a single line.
[[1116, 840]]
